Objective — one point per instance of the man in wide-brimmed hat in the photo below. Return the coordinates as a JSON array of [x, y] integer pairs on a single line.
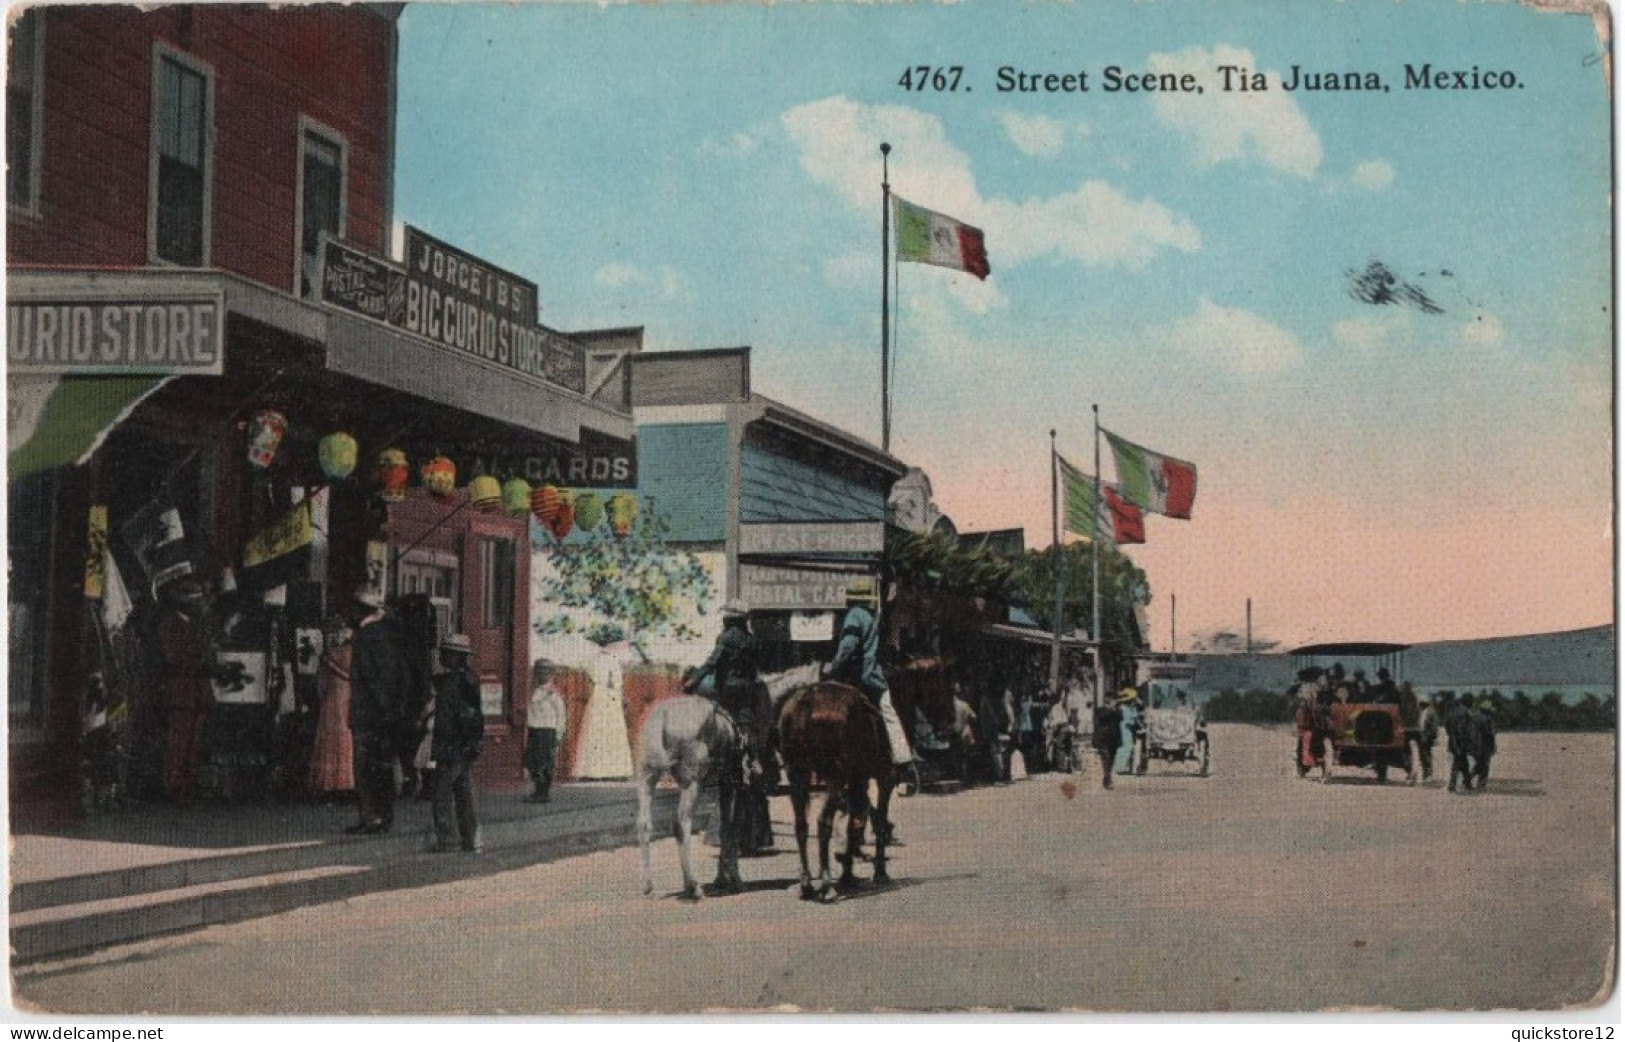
[[735, 684], [857, 662], [459, 724], [380, 685]]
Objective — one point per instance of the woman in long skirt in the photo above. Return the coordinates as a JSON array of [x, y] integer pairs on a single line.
[[332, 759]]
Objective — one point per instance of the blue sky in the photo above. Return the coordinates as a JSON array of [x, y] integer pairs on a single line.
[[711, 172]]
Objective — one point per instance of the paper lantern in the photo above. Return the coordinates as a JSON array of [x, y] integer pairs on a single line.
[[564, 517], [337, 453], [485, 492], [392, 474], [544, 503], [265, 433], [623, 510], [589, 511], [516, 496], [439, 476]]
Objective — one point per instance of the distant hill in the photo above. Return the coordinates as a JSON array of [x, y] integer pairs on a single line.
[[1569, 662]]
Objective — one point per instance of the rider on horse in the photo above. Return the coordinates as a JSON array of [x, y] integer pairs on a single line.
[[857, 662], [737, 688]]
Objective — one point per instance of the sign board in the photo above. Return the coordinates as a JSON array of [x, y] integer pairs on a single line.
[[173, 333], [813, 537], [456, 302], [491, 697], [598, 461], [812, 626], [767, 588]]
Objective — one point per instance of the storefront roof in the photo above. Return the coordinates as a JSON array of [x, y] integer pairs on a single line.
[[354, 346]]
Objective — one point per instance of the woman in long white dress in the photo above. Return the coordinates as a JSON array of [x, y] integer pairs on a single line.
[[606, 747]]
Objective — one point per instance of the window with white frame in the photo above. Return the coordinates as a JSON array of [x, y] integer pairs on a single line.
[[24, 90], [321, 198], [182, 139]]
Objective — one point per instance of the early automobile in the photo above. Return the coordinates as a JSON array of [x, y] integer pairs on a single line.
[[1359, 725], [1172, 728]]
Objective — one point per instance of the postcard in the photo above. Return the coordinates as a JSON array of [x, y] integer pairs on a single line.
[[1088, 509]]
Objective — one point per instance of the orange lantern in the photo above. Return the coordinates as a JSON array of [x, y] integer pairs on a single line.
[[439, 476], [485, 492], [564, 518], [544, 503], [392, 475]]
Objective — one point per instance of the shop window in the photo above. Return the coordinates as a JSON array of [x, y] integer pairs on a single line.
[[24, 89], [322, 157], [497, 579], [182, 140]]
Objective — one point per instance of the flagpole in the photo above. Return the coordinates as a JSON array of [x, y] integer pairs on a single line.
[[885, 298], [1095, 564], [1060, 562]]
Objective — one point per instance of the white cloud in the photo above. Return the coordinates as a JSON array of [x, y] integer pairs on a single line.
[[1037, 136], [1094, 223], [838, 144], [667, 282], [732, 147], [1235, 340], [1484, 331], [1371, 336], [1373, 175], [617, 275], [1231, 126]]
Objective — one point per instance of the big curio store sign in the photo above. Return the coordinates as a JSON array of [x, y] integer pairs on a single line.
[[455, 300]]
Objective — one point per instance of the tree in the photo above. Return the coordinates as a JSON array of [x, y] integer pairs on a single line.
[[1123, 588], [633, 586]]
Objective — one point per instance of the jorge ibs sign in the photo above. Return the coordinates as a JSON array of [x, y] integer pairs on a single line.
[[181, 334]]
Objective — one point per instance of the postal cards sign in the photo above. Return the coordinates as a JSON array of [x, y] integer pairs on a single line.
[[456, 301]]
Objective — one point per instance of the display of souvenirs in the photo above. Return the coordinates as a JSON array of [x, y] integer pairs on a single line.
[[485, 493], [392, 475], [337, 454], [439, 476], [516, 496], [265, 433]]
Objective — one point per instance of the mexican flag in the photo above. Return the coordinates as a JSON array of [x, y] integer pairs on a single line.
[[1152, 481], [1120, 521], [930, 238]]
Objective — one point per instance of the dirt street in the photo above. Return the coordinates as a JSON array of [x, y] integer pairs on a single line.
[[1250, 890]]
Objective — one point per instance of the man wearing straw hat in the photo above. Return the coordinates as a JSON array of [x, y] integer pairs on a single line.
[[857, 662]]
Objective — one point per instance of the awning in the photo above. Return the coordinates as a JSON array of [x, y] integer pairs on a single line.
[[55, 421]]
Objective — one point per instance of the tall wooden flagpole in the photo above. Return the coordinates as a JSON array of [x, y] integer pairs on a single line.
[[1060, 563], [1095, 565], [885, 298]]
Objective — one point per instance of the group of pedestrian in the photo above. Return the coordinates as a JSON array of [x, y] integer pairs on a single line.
[[1470, 728]]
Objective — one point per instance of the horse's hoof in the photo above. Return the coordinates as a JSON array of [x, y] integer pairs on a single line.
[[809, 892], [882, 876], [648, 889]]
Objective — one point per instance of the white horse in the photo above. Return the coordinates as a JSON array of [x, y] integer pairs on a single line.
[[686, 737]]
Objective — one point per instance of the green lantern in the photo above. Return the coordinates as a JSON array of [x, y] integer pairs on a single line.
[[589, 511], [516, 496]]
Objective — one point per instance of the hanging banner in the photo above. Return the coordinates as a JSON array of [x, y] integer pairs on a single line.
[[292, 531]]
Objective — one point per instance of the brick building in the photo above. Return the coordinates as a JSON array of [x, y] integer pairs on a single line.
[[199, 219]]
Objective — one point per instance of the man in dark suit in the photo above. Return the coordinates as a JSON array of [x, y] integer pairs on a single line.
[[380, 684]]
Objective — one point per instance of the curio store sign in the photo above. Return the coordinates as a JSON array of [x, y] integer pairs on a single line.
[[173, 333], [457, 302]]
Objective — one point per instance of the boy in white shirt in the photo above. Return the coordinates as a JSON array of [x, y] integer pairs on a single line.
[[545, 720]]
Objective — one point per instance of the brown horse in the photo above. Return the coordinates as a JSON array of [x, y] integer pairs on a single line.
[[833, 731]]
